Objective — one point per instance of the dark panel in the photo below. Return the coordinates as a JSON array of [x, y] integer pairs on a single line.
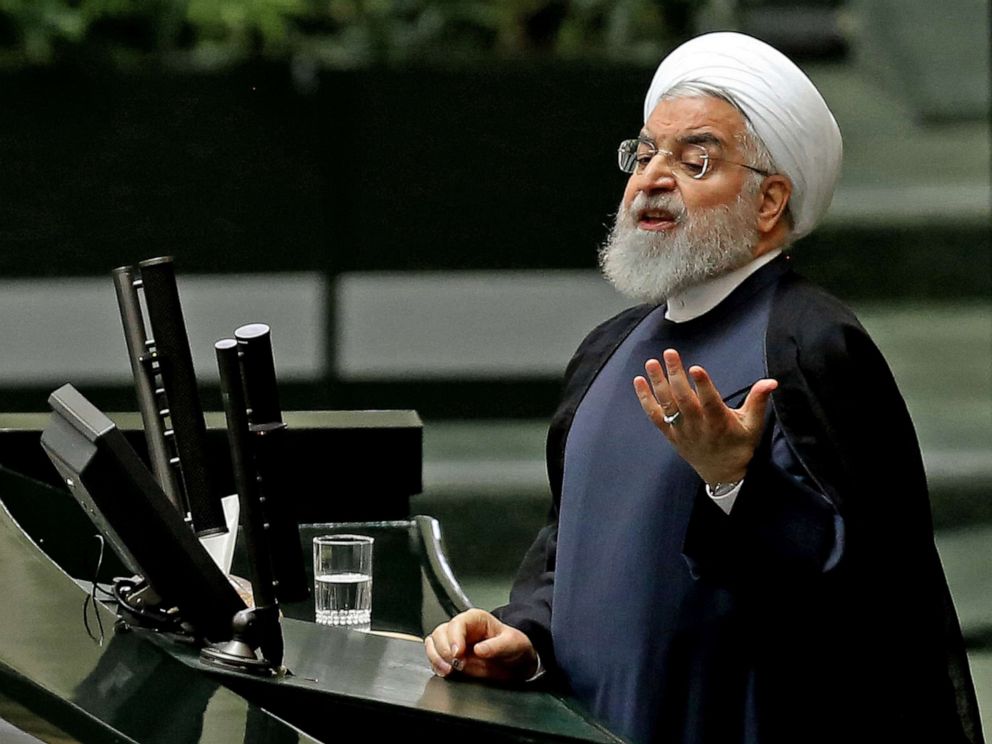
[[322, 464]]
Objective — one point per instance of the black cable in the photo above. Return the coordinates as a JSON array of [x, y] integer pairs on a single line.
[[91, 596]]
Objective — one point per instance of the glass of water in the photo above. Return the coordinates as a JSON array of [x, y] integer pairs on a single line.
[[342, 577]]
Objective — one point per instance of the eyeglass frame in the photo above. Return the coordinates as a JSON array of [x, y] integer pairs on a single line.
[[638, 166]]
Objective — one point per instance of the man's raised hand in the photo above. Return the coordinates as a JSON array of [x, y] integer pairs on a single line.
[[476, 644], [717, 441]]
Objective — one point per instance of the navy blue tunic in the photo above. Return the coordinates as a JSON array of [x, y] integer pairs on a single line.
[[634, 633]]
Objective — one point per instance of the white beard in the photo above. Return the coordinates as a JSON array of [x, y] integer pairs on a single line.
[[652, 266]]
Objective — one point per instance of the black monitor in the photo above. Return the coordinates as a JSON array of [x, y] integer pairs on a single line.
[[128, 506]]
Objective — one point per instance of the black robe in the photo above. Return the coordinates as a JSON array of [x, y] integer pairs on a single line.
[[865, 649]]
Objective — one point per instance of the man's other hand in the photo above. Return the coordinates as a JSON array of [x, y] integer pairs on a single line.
[[477, 644]]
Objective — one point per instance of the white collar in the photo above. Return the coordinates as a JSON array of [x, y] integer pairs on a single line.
[[694, 301]]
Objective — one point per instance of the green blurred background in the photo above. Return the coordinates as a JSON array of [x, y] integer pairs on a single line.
[[412, 193]]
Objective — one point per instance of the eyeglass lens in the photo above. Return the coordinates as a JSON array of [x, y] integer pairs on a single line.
[[689, 160]]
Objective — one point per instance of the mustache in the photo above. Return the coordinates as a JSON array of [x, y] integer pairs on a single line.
[[670, 203]]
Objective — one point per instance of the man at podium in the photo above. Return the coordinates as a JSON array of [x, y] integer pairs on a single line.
[[740, 546]]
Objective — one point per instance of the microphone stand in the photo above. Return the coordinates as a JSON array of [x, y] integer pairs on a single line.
[[267, 442], [257, 644]]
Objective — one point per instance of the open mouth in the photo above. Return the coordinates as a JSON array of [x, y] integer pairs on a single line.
[[656, 219]]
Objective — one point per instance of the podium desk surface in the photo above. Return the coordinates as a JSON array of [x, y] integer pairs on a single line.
[[341, 675], [143, 687]]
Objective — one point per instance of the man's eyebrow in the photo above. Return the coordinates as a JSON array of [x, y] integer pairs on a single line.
[[698, 138], [701, 138]]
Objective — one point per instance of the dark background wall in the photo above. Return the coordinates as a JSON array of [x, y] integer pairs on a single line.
[[499, 166]]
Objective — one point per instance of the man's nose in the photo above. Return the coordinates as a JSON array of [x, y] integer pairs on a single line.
[[657, 174]]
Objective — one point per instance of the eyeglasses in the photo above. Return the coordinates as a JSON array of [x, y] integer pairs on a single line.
[[693, 161]]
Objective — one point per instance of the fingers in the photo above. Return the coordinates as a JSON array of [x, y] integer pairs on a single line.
[[710, 400], [659, 383], [692, 392], [446, 646], [666, 391], [441, 667], [507, 655], [649, 402], [678, 383], [509, 642], [751, 412], [439, 648], [455, 638], [753, 408], [476, 644], [443, 647]]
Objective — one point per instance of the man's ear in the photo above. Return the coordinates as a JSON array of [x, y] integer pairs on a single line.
[[775, 192]]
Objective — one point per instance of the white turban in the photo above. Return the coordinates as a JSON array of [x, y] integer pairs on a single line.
[[786, 110]]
